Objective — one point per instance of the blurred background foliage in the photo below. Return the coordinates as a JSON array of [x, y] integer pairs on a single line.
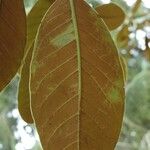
[[133, 42]]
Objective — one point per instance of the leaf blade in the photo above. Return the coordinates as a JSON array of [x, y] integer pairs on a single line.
[[24, 92], [112, 15], [86, 116], [33, 21], [12, 24]]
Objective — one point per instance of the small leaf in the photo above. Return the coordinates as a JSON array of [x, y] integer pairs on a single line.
[[136, 6], [123, 36], [33, 21], [77, 83], [147, 50], [12, 39], [112, 15]]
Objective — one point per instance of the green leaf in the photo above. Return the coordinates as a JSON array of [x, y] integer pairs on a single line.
[[136, 6]]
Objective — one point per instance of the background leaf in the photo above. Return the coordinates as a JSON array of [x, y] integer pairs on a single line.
[[112, 15], [7, 140], [12, 39], [33, 21], [136, 6], [77, 85]]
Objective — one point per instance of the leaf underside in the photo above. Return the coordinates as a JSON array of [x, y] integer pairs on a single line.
[[112, 15], [24, 92], [77, 85], [33, 21], [12, 39]]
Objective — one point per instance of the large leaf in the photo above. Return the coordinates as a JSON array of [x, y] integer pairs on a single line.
[[77, 85], [33, 21], [112, 14], [12, 39]]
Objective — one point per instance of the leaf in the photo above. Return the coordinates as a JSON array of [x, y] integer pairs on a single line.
[[12, 39], [142, 98], [136, 6], [112, 15], [24, 92], [33, 21], [77, 85], [123, 36]]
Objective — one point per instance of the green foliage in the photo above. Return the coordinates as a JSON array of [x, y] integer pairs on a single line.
[[7, 140], [138, 99]]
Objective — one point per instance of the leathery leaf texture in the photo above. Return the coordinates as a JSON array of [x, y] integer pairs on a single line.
[[77, 83], [12, 38], [112, 15], [24, 91], [33, 21]]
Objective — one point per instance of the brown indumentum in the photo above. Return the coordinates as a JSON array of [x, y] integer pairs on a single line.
[[77, 94], [33, 21], [12, 39], [72, 80]]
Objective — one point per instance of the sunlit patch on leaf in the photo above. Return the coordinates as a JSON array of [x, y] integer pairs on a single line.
[[64, 38], [114, 95]]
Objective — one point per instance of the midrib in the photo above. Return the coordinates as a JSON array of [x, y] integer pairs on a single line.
[[74, 19]]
